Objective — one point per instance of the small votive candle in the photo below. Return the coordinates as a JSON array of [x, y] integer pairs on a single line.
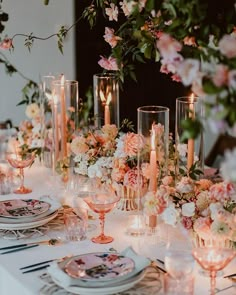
[[136, 225]]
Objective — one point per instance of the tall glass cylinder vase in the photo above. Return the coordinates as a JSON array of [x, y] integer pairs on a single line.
[[153, 128], [106, 99], [46, 119], [189, 153], [65, 109]]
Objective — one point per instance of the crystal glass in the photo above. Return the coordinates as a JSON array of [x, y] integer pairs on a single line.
[[179, 261], [65, 97], [46, 119], [213, 259], [191, 151], [102, 202], [21, 161], [153, 130], [106, 99]]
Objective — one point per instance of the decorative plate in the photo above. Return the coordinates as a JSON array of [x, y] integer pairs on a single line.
[[22, 208], [28, 225], [106, 290], [99, 266]]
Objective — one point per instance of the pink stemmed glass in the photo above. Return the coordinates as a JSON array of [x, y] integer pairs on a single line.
[[213, 259], [21, 161], [102, 203]]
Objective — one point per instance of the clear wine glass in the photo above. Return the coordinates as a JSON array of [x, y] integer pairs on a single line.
[[21, 160], [179, 261], [102, 202], [213, 259]]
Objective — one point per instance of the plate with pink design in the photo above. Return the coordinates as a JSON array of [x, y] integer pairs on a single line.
[[19, 208], [100, 266]]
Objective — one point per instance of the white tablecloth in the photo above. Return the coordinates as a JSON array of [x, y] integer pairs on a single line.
[[12, 281]]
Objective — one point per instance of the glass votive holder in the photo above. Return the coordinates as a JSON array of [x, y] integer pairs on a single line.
[[189, 152], [135, 225], [6, 178], [75, 226], [106, 99], [184, 286]]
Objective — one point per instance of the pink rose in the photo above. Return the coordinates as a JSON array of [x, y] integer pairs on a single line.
[[187, 222], [6, 44]]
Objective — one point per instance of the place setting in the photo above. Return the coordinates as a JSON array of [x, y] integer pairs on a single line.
[[101, 273], [21, 214]]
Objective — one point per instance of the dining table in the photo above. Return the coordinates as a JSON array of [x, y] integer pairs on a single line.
[[153, 246]]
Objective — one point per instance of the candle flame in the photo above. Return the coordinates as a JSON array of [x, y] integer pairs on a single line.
[[105, 100], [191, 98], [62, 80], [153, 137]]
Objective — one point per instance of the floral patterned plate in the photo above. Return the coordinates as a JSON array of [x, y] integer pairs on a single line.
[[22, 208], [99, 266]]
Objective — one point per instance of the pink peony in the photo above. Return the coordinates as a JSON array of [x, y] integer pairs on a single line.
[[79, 146], [227, 46], [221, 192], [109, 64], [220, 77], [132, 142]]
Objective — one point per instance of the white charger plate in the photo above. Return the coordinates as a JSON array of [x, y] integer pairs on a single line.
[[27, 225], [119, 287]]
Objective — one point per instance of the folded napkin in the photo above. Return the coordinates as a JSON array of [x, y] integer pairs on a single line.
[[56, 270]]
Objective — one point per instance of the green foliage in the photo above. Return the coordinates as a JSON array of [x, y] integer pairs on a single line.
[[61, 35], [10, 69], [30, 93], [29, 40], [126, 126], [192, 128]]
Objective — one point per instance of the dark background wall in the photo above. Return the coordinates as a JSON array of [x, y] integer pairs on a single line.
[[151, 88]]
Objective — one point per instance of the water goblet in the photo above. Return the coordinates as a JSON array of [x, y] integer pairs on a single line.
[[179, 261], [102, 202], [21, 160], [213, 259]]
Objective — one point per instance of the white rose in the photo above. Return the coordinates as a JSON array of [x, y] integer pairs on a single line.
[[188, 209], [32, 110], [170, 215]]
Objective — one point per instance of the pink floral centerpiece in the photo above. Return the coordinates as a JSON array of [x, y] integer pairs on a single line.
[[206, 209], [111, 157]]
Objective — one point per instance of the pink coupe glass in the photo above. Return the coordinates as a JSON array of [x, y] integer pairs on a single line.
[[213, 259], [21, 161], [102, 203]]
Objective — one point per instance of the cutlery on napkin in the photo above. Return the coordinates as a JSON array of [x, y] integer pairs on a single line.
[[39, 265], [19, 249]]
